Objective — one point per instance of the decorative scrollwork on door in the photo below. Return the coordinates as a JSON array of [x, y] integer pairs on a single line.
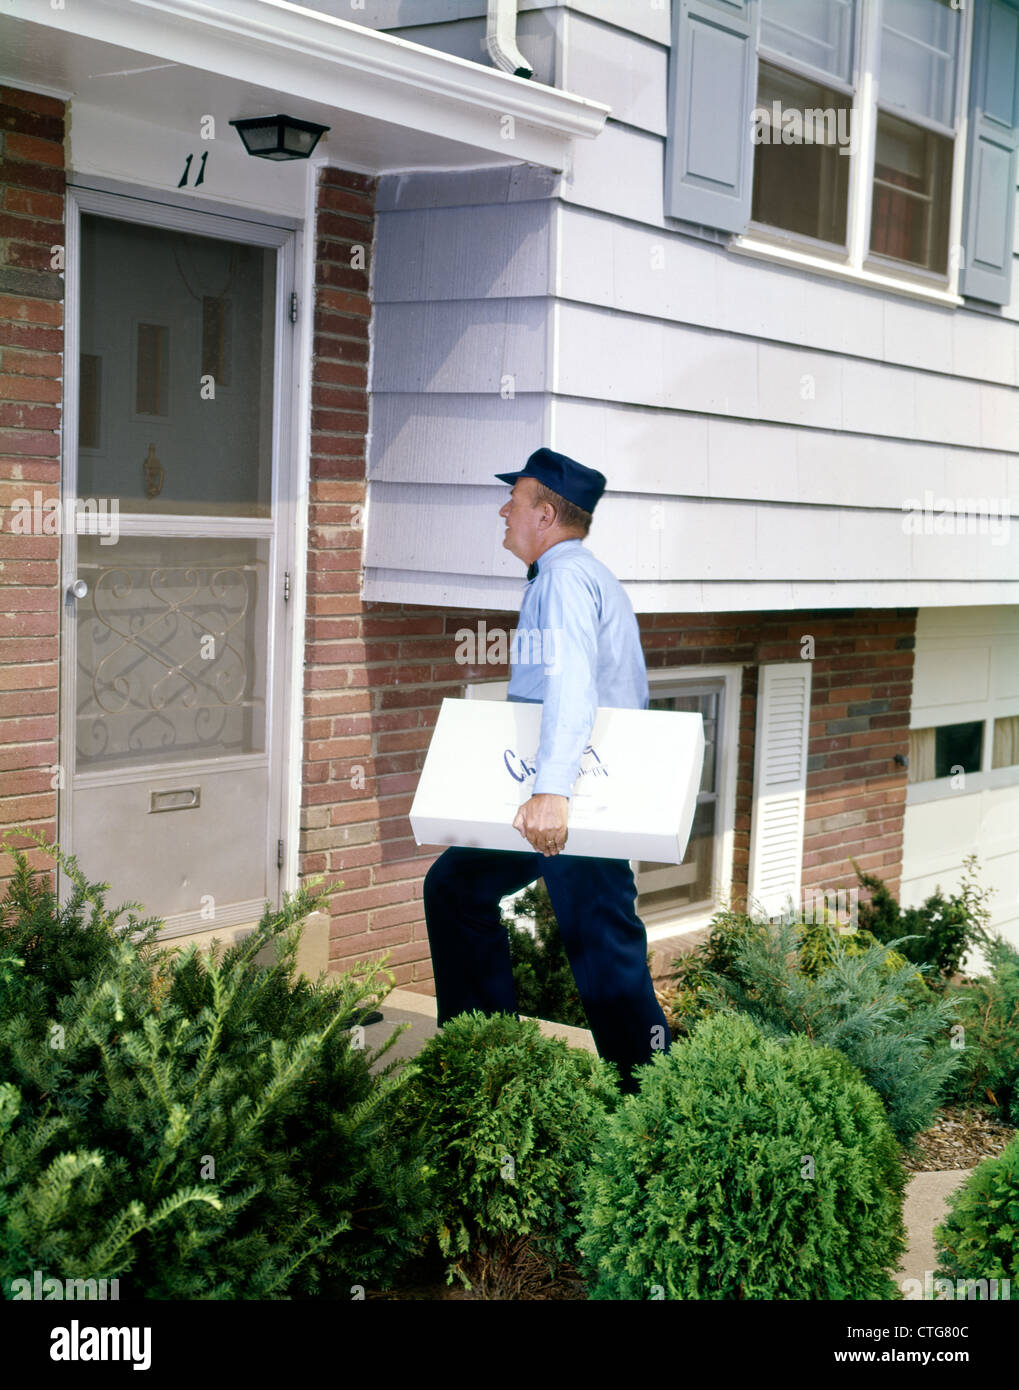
[[165, 660]]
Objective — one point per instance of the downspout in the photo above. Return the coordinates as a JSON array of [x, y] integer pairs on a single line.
[[501, 39]]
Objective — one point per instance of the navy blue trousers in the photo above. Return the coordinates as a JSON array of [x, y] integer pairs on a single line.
[[605, 941]]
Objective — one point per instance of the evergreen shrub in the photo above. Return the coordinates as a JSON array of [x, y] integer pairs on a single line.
[[744, 1168], [860, 1005], [866, 1002], [196, 1128], [939, 933], [818, 942], [988, 1010], [979, 1239], [510, 1116], [542, 975]]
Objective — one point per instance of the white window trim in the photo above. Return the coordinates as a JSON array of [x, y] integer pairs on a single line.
[[856, 264], [941, 789], [663, 925], [988, 778]]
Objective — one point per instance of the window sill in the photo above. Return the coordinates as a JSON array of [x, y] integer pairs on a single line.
[[768, 251], [665, 925], [941, 789]]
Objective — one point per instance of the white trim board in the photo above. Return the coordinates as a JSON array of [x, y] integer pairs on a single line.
[[401, 104]]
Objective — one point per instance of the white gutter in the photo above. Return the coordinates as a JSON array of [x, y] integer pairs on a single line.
[[501, 38], [194, 32]]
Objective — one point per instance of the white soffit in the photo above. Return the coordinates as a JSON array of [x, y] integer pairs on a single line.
[[391, 105]]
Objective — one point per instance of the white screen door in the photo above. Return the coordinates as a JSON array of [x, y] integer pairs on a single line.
[[175, 631]]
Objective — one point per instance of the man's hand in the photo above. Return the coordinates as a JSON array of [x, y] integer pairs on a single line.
[[542, 822]]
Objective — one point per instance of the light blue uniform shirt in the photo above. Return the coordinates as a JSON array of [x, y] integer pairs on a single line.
[[578, 648]]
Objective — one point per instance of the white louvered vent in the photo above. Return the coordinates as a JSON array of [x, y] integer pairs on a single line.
[[780, 786]]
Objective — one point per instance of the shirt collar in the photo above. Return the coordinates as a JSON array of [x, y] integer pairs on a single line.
[[536, 565]]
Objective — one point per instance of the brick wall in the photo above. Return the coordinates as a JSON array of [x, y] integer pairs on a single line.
[[31, 346], [376, 674], [861, 689]]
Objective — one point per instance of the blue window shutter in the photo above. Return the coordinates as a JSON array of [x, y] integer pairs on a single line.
[[989, 208], [712, 91]]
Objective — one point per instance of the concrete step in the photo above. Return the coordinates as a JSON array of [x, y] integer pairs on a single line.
[[419, 1011]]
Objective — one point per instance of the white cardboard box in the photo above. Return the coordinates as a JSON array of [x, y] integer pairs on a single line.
[[633, 799]]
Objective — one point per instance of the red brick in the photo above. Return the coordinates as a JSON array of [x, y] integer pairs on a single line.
[[29, 388], [46, 364], [21, 810], [16, 309], [34, 150], [31, 702], [28, 255], [343, 200], [17, 415], [384, 917], [32, 203], [32, 756], [40, 676], [20, 174], [339, 397], [31, 102]]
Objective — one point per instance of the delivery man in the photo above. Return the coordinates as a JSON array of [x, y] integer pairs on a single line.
[[576, 600]]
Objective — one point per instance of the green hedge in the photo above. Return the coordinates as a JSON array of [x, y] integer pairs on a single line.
[[745, 1168], [196, 1129], [979, 1240], [510, 1117], [879, 1014]]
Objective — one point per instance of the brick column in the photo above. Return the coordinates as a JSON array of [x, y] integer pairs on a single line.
[[31, 370], [375, 673]]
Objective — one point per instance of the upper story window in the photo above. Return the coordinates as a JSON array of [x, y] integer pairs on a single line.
[[917, 122], [806, 65], [814, 101], [830, 132]]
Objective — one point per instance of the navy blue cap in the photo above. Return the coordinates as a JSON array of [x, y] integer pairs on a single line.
[[570, 479]]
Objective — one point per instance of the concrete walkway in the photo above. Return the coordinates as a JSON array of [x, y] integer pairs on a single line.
[[926, 1207], [926, 1193]]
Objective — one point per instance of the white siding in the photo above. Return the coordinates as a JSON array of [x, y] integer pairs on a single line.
[[967, 667], [777, 423]]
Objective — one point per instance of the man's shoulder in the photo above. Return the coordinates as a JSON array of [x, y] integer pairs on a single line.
[[578, 560]]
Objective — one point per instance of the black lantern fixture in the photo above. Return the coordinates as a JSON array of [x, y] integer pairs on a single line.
[[279, 137]]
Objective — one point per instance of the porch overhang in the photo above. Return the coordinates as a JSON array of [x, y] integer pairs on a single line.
[[391, 105]]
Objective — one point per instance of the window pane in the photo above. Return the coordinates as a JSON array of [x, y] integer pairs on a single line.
[[1006, 742], [958, 746], [801, 169], [912, 195], [184, 327], [818, 32], [919, 57], [921, 755], [672, 887]]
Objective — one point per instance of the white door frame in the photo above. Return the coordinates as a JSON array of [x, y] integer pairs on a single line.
[[159, 208]]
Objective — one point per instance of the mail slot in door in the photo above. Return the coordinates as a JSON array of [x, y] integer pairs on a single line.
[[179, 799]]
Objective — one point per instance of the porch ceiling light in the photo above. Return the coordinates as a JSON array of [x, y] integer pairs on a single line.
[[279, 137]]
